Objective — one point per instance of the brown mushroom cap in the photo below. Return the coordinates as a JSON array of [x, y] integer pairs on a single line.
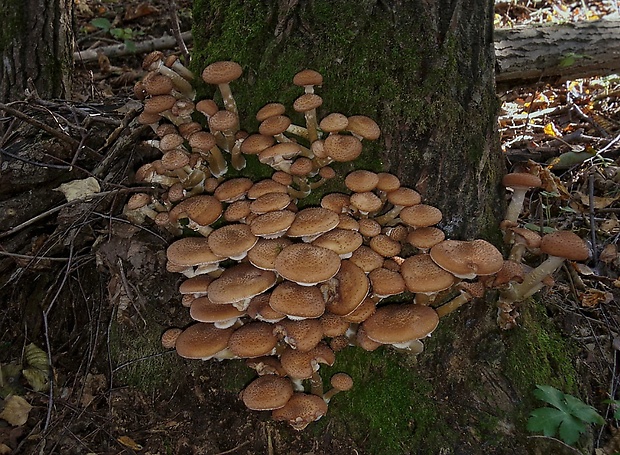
[[159, 103], [302, 335], [366, 258], [336, 202], [269, 110], [233, 189], [564, 244], [196, 285], [301, 410], [232, 240], [421, 274], [267, 392], [169, 337], [191, 251], [202, 341], [256, 143], [342, 148], [254, 339], [342, 241], [221, 72], [521, 180], [333, 325], [223, 120], [420, 215], [385, 282], [260, 310], [270, 202], [237, 211], [307, 264], [272, 224], [296, 301], [403, 196], [202, 140], [276, 124], [360, 181], [265, 186], [341, 381], [399, 323], [239, 283], [312, 221], [387, 182], [466, 259], [203, 310], [364, 127], [203, 209], [385, 246], [334, 122], [307, 102], [366, 202], [425, 237], [362, 312], [307, 77], [347, 290]]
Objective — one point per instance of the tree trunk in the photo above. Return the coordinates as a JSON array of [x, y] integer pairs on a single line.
[[425, 72], [531, 54], [37, 46]]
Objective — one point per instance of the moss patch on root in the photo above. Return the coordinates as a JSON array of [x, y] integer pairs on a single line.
[[390, 409]]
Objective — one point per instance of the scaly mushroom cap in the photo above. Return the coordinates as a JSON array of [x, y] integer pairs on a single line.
[[237, 211], [254, 339], [366, 202], [269, 110], [336, 202], [307, 264], [425, 237], [466, 259], [274, 125], [385, 246], [347, 290], [342, 148], [341, 381], [256, 143], [263, 255], [307, 102], [272, 224], [366, 258], [223, 121], [233, 189], [301, 410], [366, 309], [265, 186], [202, 341], [333, 325], [403, 196], [564, 244], [312, 221], [240, 282], [369, 227], [307, 77], [202, 140], [203, 209], [191, 251], [270, 202], [342, 241], [364, 127], [360, 181], [159, 103], [385, 282], [301, 364], [260, 310], [420, 215], [399, 323], [232, 240], [221, 72], [334, 122], [421, 274], [296, 301], [387, 182], [267, 392], [156, 83], [196, 285], [203, 310]]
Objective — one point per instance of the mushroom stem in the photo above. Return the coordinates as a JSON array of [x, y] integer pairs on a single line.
[[217, 162], [297, 130], [237, 159], [227, 98], [453, 304], [311, 125], [516, 204], [316, 384], [389, 215], [548, 267]]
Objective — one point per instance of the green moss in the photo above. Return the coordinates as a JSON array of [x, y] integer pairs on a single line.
[[140, 360], [390, 409], [538, 355]]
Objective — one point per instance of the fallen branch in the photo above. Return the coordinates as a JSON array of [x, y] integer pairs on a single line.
[[142, 47]]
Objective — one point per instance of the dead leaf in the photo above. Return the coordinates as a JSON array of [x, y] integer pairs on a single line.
[[79, 189], [128, 442], [16, 410], [594, 297], [609, 225], [599, 201], [609, 253], [143, 9]]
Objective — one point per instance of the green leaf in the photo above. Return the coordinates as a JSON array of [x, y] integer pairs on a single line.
[[102, 23], [583, 411], [552, 396], [546, 420], [570, 429]]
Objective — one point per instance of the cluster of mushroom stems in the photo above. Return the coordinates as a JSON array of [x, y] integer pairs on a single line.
[[282, 287]]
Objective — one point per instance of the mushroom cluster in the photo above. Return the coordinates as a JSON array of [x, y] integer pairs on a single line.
[[284, 287], [516, 281]]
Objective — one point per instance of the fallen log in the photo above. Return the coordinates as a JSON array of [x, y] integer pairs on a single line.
[[524, 55], [551, 53]]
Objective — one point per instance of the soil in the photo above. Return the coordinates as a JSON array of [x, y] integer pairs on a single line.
[[98, 306]]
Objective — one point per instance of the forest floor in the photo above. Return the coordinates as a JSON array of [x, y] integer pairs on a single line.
[[114, 390]]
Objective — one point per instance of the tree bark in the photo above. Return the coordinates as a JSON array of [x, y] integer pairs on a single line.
[[422, 70], [37, 45], [532, 54]]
